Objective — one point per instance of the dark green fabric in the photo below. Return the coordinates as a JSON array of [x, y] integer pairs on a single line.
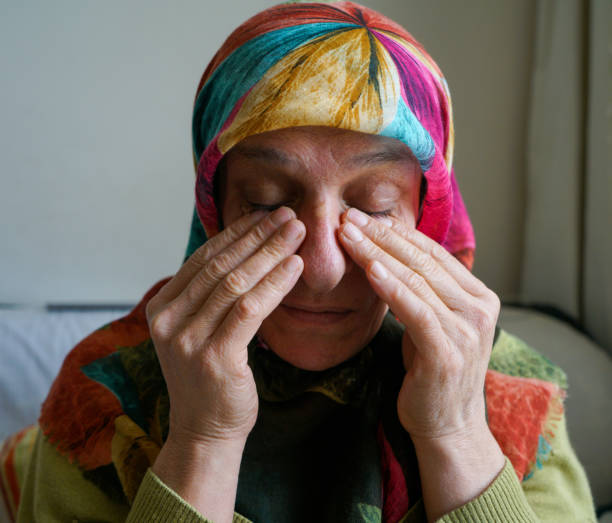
[[313, 458]]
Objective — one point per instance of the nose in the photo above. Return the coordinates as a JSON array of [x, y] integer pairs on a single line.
[[325, 261]]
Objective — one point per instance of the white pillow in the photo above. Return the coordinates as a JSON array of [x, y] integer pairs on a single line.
[[33, 344]]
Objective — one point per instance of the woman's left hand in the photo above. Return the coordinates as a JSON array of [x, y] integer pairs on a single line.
[[450, 319]]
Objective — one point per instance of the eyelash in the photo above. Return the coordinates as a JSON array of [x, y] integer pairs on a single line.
[[260, 206], [379, 214]]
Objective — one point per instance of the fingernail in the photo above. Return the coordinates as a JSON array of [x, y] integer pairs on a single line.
[[292, 231], [378, 271], [280, 216], [352, 232], [357, 217], [386, 221], [291, 264]]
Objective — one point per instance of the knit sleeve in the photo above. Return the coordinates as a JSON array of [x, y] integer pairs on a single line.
[[38, 483], [557, 490], [157, 502], [54, 489]]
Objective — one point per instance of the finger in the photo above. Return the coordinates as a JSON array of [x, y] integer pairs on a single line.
[[205, 279], [452, 265], [200, 257], [364, 251], [410, 255], [248, 274], [421, 322], [483, 302], [247, 314]]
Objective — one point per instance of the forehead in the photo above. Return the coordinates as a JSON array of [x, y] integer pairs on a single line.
[[320, 154]]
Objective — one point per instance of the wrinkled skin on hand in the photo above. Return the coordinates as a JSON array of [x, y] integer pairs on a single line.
[[450, 319], [202, 320]]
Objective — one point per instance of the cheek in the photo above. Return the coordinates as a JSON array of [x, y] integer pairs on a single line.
[[362, 295]]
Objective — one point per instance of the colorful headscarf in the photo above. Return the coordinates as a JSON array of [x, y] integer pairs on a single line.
[[336, 65]]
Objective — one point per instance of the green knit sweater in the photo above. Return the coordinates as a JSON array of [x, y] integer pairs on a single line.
[[53, 489]]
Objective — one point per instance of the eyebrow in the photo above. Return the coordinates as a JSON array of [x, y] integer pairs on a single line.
[[390, 153]]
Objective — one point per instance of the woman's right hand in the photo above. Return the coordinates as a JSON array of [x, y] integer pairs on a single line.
[[202, 320]]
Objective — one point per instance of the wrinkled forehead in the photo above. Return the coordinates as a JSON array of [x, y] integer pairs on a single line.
[[316, 161], [296, 146]]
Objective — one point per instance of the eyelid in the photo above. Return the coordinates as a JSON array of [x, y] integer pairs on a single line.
[[379, 214], [271, 207], [254, 206]]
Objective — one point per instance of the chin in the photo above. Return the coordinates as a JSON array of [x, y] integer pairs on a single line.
[[321, 357], [317, 348]]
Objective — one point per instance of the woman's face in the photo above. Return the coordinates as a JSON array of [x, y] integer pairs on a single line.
[[332, 312]]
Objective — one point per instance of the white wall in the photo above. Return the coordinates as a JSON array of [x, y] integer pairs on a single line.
[[96, 102]]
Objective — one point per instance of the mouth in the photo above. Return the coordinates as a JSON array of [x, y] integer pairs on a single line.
[[315, 315]]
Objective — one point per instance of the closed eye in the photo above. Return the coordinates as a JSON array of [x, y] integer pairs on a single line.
[[271, 207], [378, 214], [264, 207]]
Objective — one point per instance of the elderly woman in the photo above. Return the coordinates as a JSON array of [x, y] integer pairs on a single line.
[[268, 380]]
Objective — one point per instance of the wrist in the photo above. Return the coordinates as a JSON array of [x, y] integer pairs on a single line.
[[202, 472], [457, 468], [468, 438]]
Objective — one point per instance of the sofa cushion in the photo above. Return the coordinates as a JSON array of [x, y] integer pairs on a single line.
[[33, 345]]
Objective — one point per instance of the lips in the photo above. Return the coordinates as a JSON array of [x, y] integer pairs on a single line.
[[317, 309], [309, 315]]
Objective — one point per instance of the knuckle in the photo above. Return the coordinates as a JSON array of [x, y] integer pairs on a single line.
[[495, 303], [274, 249], [248, 307], [184, 340], [204, 253], [199, 258], [194, 289], [415, 281], [483, 317], [159, 326], [275, 284], [381, 235], [481, 290], [397, 293], [425, 261], [217, 267], [440, 253], [235, 283], [426, 317], [470, 337], [260, 233], [150, 310]]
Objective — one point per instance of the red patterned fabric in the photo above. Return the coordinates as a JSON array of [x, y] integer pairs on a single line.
[[78, 415], [521, 410], [395, 490]]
